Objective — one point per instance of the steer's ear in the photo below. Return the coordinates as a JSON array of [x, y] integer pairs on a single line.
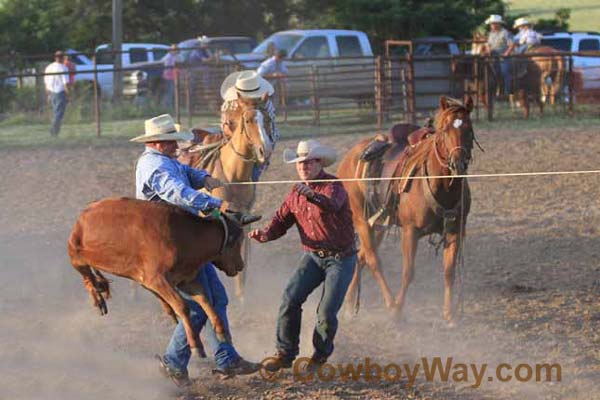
[[248, 219]]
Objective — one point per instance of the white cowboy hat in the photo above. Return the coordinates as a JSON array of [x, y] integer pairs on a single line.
[[310, 150], [520, 22], [494, 19], [247, 83], [162, 128]]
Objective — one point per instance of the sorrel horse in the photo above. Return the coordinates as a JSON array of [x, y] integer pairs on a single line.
[[540, 79], [233, 160], [425, 206]]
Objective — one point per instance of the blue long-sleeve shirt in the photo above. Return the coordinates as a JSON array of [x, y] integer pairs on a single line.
[[158, 177]]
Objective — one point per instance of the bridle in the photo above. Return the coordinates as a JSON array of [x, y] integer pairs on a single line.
[[443, 136], [244, 132]]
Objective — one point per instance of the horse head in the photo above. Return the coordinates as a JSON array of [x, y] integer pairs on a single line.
[[255, 124], [454, 134]]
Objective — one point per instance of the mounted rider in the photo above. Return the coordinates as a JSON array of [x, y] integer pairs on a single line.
[[527, 37], [499, 43]]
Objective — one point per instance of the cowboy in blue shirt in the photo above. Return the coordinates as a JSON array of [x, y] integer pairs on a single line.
[[160, 177]]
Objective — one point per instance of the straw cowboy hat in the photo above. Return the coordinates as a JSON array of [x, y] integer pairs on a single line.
[[520, 22], [494, 19], [310, 150], [247, 84], [162, 128]]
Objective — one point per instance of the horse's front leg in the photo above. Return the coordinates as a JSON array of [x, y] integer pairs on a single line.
[[409, 249], [449, 259]]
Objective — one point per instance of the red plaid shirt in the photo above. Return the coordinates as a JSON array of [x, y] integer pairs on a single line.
[[324, 221]]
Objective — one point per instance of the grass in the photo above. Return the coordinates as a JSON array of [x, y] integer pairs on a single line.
[[20, 132], [584, 13]]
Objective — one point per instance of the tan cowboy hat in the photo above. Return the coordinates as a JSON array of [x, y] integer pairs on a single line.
[[247, 83], [310, 150], [520, 22], [494, 19], [162, 128]]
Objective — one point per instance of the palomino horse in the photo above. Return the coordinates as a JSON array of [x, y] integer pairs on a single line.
[[233, 159], [425, 206]]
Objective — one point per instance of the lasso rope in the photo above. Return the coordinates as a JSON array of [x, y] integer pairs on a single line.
[[398, 178]]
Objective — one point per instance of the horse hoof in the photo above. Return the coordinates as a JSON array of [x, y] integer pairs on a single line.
[[450, 324]]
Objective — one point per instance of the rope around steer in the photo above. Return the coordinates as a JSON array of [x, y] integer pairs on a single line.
[[499, 175]]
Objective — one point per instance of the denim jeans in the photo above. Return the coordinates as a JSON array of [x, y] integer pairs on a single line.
[[59, 105], [506, 71], [336, 275], [178, 351]]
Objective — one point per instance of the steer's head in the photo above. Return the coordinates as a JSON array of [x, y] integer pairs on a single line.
[[230, 260]]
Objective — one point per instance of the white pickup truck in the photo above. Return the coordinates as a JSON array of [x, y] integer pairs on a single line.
[[132, 53], [340, 62]]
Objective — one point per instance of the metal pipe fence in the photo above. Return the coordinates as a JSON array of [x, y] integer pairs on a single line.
[[345, 94]]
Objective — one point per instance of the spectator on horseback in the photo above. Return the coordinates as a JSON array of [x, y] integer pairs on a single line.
[[321, 212], [248, 85], [498, 44], [160, 177], [526, 38]]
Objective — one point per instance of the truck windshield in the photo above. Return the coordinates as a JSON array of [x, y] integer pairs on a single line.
[[285, 41]]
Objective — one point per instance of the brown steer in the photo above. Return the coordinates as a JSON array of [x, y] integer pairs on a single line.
[[159, 245]]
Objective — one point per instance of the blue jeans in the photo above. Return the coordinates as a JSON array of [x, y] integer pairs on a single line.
[[178, 351], [59, 105], [313, 270], [506, 71]]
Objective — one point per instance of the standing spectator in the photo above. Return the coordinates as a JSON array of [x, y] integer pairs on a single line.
[[274, 67], [71, 68], [169, 76], [56, 82]]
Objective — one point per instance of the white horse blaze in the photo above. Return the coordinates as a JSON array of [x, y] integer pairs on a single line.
[[457, 123], [260, 121]]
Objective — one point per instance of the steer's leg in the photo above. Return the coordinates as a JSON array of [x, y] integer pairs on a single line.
[[161, 286], [196, 292], [91, 284]]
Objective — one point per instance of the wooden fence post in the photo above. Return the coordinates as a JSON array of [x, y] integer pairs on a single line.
[[96, 100]]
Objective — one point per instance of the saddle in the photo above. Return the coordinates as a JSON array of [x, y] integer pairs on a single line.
[[386, 156]]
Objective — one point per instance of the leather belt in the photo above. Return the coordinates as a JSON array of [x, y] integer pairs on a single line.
[[338, 255]]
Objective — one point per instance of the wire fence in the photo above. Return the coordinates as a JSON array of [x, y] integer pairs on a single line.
[[326, 94]]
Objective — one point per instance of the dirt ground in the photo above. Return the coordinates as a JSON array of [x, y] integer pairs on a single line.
[[531, 286]]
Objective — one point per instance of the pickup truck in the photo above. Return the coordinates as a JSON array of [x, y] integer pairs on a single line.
[[586, 69], [341, 62], [133, 53], [149, 73]]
